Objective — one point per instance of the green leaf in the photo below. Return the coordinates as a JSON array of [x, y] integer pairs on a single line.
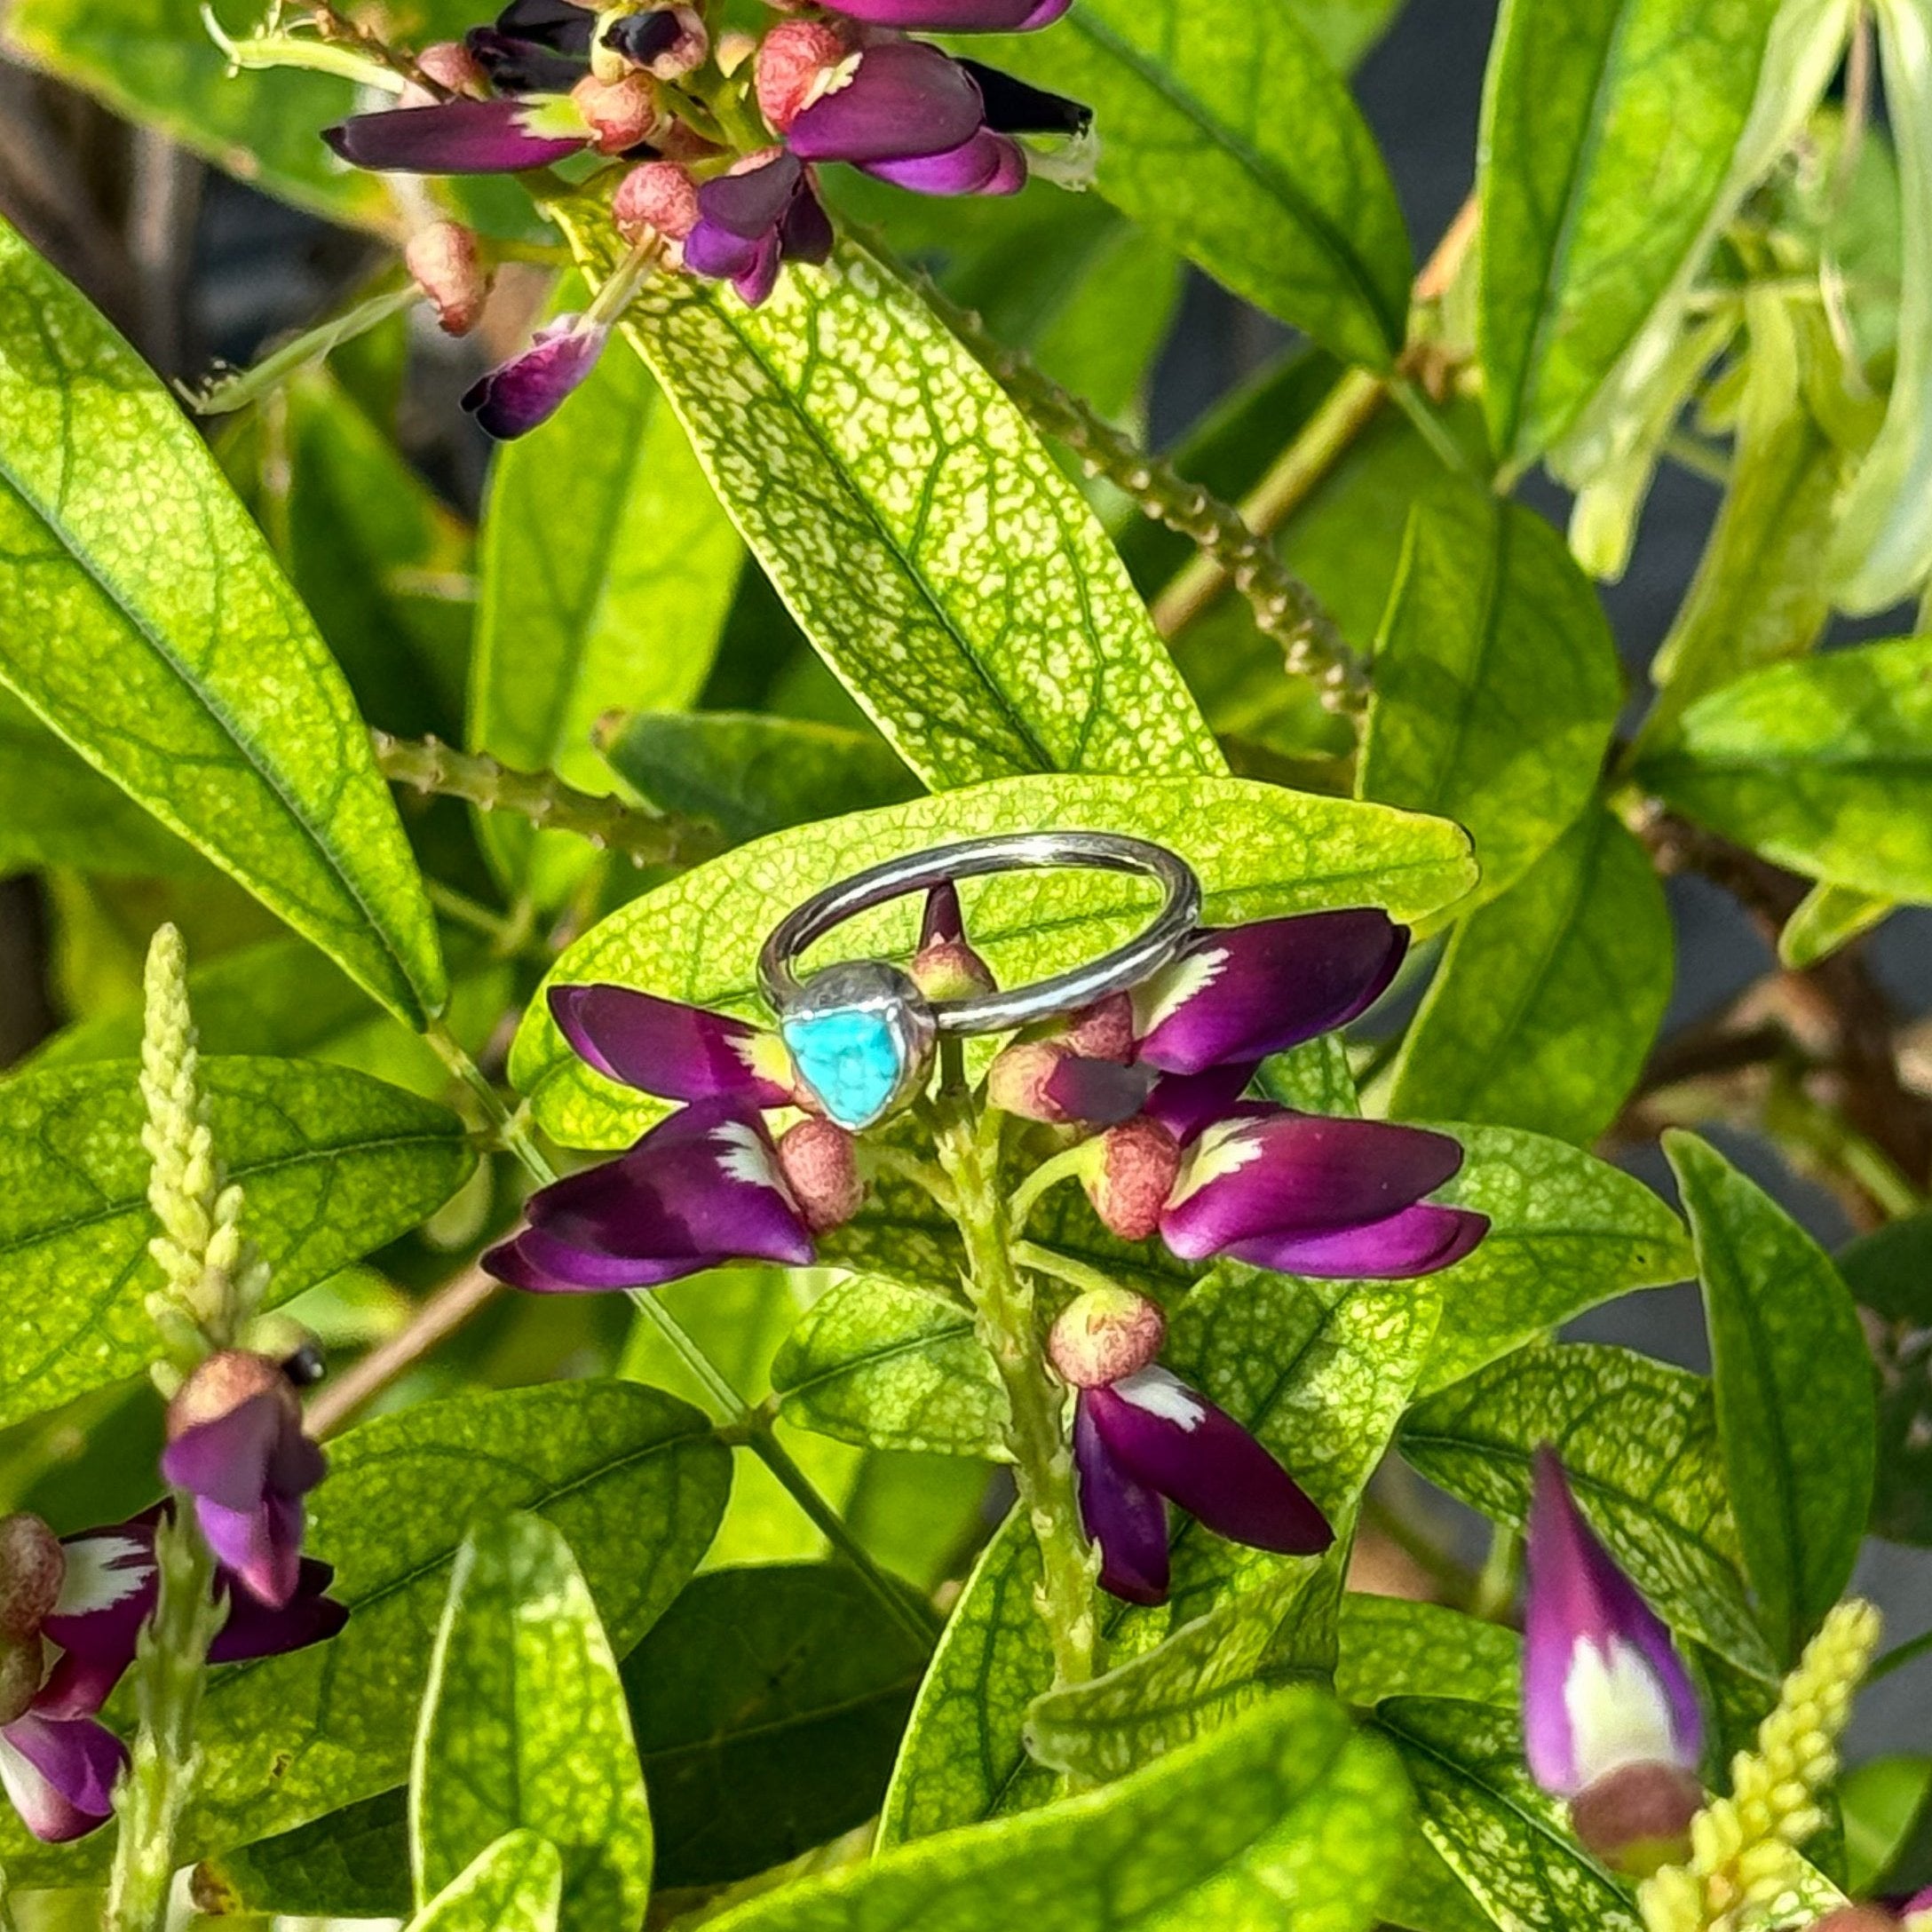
[[56, 810], [1638, 1441], [1786, 1349], [1546, 999], [1205, 1674], [1829, 917], [876, 1363], [631, 1477], [1566, 1231], [1315, 1077], [753, 773], [768, 1705], [1346, 29], [1889, 1274], [1260, 851], [1883, 1800], [143, 618], [1287, 1814], [1496, 681], [351, 1863], [1225, 132], [1392, 1647], [515, 1885], [334, 1164], [1823, 766], [606, 572], [524, 1726], [1608, 132], [1507, 1842], [923, 537]]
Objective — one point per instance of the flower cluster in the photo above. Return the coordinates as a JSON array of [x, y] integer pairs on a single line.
[[724, 139], [1142, 1100], [71, 1611]]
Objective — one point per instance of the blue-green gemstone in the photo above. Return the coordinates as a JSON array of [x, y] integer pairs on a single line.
[[849, 1059]]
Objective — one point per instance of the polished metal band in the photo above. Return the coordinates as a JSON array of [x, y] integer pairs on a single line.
[[1118, 971]]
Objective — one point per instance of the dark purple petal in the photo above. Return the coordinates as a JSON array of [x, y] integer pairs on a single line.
[[523, 67], [256, 1629], [1274, 1172], [59, 1773], [1013, 106], [544, 1265], [942, 923], [1417, 1241], [711, 248], [104, 1598], [529, 389], [1242, 992], [904, 99], [260, 1547], [1100, 1092], [1602, 1685], [806, 234], [560, 24], [1185, 1103], [643, 37], [987, 164], [228, 1460], [453, 137], [1127, 1522], [755, 281], [664, 1046], [1175, 1440], [953, 16], [751, 203]]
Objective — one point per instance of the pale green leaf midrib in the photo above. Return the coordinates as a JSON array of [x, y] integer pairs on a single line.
[[874, 1357], [1488, 622], [403, 979], [1272, 182], [782, 1727], [1031, 749]]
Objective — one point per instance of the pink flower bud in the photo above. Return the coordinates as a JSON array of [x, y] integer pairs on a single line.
[[1018, 1079], [1133, 1177], [1856, 1919], [221, 1384], [1105, 1334], [23, 1666], [621, 113], [656, 196], [32, 1568], [444, 261], [1103, 1030], [798, 63], [820, 1165], [450, 64], [950, 971], [1638, 1816]]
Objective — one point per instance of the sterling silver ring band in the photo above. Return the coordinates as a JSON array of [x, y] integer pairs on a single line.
[[1117, 971]]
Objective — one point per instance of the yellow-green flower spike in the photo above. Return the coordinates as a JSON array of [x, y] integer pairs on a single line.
[[1743, 1871]]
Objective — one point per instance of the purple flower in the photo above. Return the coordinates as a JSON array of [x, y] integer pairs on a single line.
[[535, 46], [504, 136], [1141, 1433], [675, 1051], [954, 16], [1610, 1719], [763, 213], [108, 1593], [60, 1772], [701, 1188], [529, 389], [235, 1444]]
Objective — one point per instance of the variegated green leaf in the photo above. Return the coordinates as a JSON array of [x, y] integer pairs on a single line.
[[1390, 1647], [515, 1885]]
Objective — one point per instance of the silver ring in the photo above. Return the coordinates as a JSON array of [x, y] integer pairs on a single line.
[[861, 1035]]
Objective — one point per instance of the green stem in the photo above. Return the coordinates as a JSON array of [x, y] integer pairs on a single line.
[[1064, 1165], [646, 838], [1076, 1274], [1043, 1464], [1494, 1590], [1429, 426], [171, 1666], [231, 393], [738, 1416]]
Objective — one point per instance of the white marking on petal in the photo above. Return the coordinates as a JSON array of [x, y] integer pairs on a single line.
[[742, 1156], [102, 1570], [1618, 1713], [1156, 1392], [765, 1055], [1224, 1149], [1160, 998]]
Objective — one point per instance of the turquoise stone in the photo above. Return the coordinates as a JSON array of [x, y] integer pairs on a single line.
[[850, 1059]]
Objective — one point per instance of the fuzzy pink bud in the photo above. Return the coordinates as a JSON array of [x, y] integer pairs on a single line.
[[222, 1383], [1638, 1816], [23, 1665], [950, 970], [1856, 1919], [1017, 1080], [1103, 1030], [796, 62], [1133, 1176], [655, 197], [32, 1565], [621, 113], [446, 268], [450, 64], [819, 1161], [1105, 1334]]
